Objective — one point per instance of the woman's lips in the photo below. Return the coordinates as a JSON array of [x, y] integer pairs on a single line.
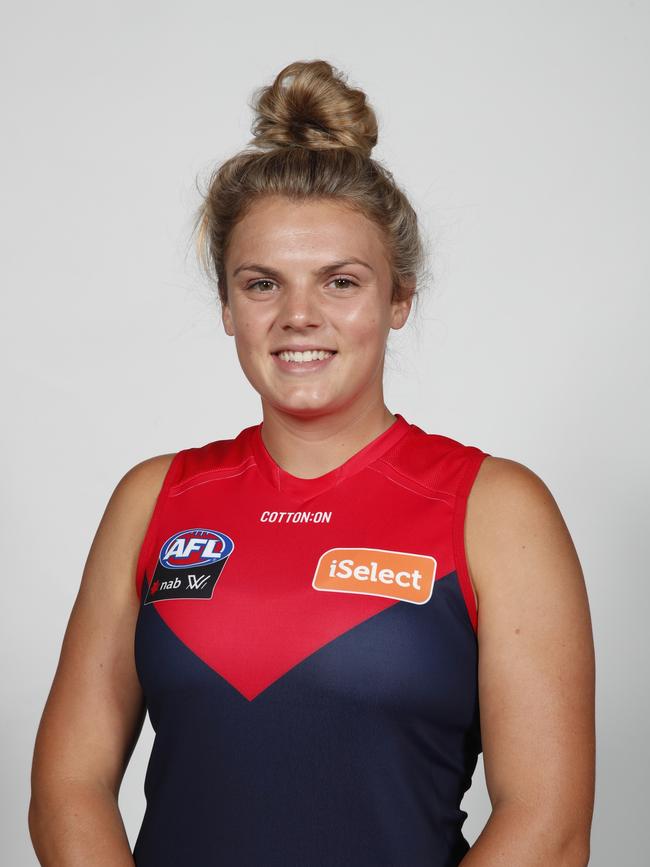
[[302, 366]]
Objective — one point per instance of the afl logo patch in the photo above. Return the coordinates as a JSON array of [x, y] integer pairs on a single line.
[[189, 564]]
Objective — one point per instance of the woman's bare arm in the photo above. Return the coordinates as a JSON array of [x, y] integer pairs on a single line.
[[536, 673], [95, 708]]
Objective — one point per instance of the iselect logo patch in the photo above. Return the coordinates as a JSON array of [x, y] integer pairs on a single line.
[[189, 565], [377, 572]]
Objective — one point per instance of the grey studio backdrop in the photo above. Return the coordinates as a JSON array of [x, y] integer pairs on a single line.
[[520, 132]]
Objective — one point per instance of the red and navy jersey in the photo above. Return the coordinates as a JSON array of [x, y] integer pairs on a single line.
[[308, 654]]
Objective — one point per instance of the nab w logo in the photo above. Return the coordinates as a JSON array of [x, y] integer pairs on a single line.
[[189, 565], [195, 583]]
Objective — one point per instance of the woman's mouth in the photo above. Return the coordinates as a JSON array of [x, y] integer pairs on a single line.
[[302, 362]]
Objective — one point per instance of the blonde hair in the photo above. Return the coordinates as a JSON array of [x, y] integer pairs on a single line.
[[313, 135]]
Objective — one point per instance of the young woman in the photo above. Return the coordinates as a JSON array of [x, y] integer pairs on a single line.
[[313, 611]]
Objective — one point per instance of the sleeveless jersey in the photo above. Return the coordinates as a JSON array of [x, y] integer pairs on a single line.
[[308, 654]]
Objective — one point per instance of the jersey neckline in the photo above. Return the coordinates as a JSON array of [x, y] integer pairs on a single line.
[[295, 486]]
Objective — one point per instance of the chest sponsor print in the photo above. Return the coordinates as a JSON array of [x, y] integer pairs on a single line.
[[377, 572]]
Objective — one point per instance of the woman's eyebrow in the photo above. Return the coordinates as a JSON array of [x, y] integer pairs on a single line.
[[319, 272]]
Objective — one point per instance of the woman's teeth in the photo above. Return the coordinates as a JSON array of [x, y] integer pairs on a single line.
[[310, 355]]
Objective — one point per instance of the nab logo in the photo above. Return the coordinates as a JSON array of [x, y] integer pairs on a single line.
[[377, 572], [189, 565]]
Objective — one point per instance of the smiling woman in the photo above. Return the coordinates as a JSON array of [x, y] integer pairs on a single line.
[[297, 607]]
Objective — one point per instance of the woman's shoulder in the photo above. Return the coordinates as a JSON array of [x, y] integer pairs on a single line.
[[505, 497], [132, 501], [509, 476], [514, 528], [143, 480]]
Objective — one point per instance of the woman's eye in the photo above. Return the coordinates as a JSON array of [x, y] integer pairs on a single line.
[[257, 282]]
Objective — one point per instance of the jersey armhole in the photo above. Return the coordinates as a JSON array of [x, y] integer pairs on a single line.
[[145, 548], [467, 478]]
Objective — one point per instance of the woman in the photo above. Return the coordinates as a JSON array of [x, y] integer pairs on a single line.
[[321, 604]]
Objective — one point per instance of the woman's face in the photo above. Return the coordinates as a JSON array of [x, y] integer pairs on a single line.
[[293, 284]]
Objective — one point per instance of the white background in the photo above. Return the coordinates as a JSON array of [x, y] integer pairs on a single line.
[[520, 132]]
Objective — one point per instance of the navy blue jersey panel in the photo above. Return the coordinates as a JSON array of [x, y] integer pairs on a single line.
[[369, 713]]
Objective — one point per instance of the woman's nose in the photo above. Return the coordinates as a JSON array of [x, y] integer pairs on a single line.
[[300, 307]]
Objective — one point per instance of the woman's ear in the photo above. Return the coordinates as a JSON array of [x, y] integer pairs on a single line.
[[402, 308], [226, 318]]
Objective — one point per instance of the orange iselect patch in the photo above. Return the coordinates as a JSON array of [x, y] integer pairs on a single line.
[[377, 572]]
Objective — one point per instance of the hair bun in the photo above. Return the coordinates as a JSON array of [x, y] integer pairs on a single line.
[[310, 105]]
